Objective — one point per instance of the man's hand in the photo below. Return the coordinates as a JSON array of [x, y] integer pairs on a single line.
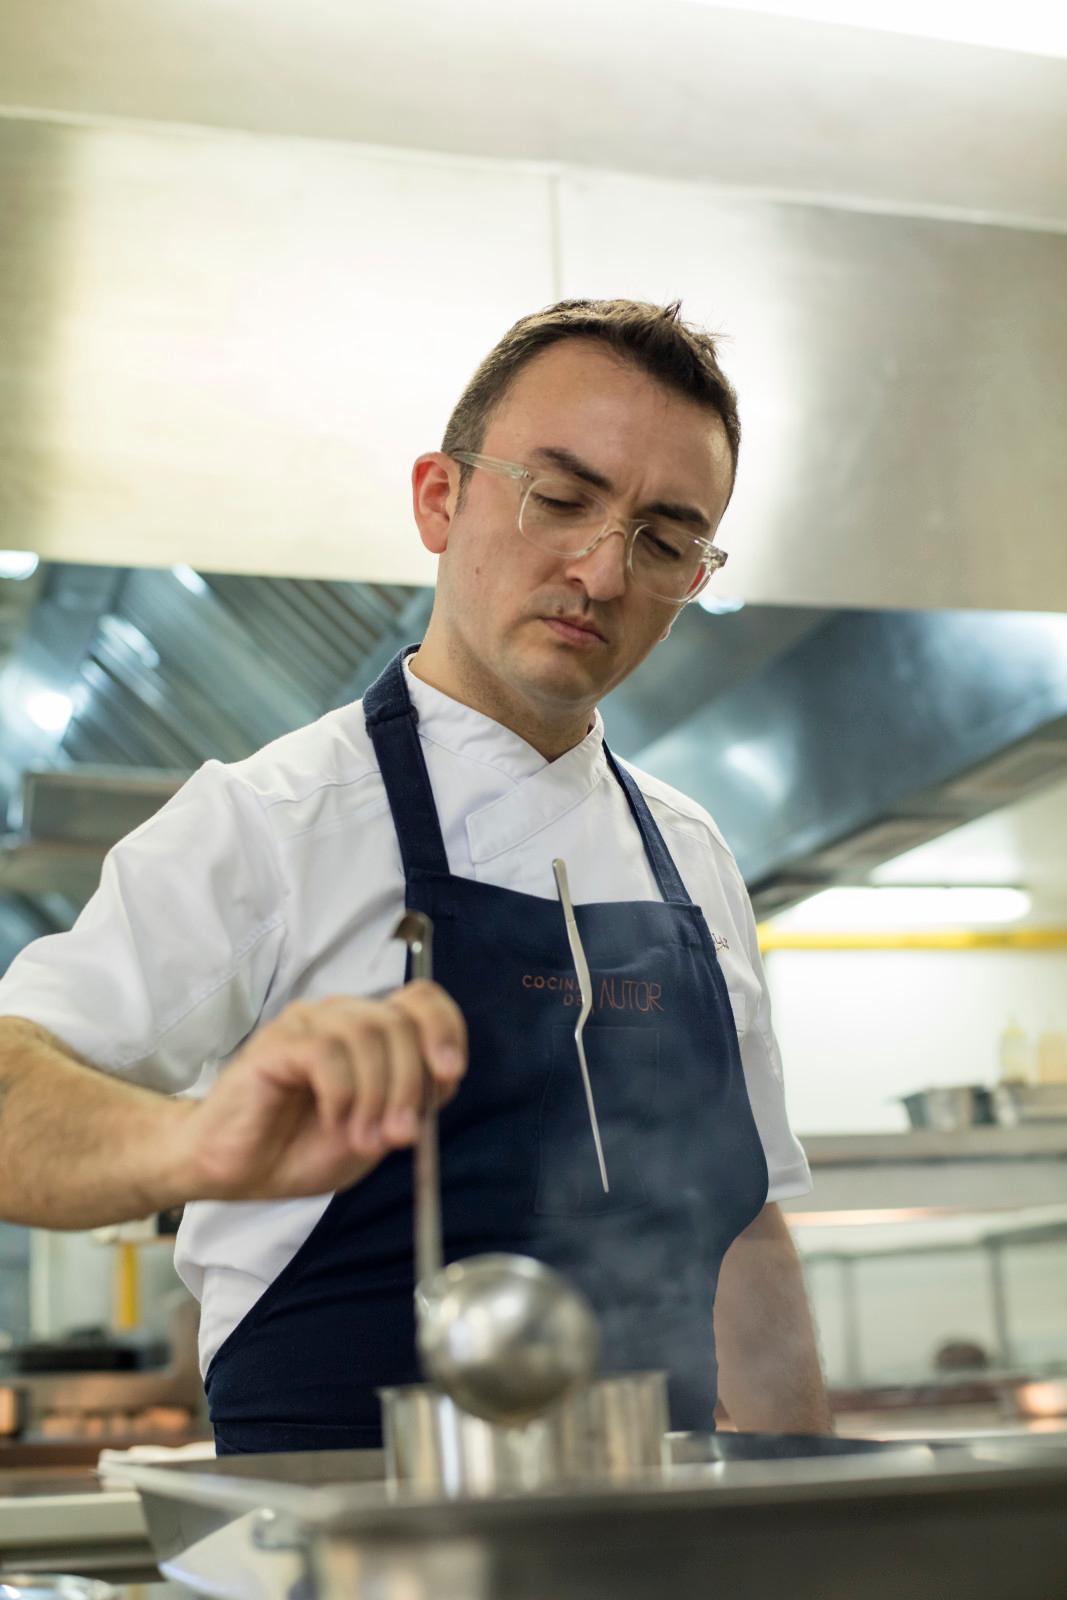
[[316, 1098]]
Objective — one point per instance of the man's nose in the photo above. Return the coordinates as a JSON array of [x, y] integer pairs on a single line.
[[602, 570]]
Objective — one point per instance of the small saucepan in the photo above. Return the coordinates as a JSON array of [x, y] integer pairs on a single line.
[[611, 1431]]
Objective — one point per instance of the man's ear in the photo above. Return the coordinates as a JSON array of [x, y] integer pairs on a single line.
[[433, 497]]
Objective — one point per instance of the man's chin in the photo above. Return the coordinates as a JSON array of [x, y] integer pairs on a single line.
[[561, 673]]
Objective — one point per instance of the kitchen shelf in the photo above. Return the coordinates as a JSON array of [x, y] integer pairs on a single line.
[[971, 1169]]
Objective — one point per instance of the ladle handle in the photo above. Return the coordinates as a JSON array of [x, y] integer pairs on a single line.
[[417, 931]]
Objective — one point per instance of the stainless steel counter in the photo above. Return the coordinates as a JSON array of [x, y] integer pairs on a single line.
[[63, 1519], [988, 1522]]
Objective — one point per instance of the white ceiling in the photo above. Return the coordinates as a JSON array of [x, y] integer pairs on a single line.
[[1037, 26], [665, 87], [1021, 844]]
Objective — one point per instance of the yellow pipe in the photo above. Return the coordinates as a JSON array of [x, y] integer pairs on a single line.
[[127, 1287], [771, 938]]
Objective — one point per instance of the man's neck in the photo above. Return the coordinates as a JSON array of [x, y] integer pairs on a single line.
[[452, 674]]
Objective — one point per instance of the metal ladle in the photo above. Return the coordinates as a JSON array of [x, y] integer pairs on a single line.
[[503, 1335]]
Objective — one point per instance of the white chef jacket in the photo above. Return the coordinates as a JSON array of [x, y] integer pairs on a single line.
[[278, 878]]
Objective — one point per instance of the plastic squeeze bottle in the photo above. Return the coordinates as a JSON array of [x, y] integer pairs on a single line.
[[1014, 1054], [1052, 1057]]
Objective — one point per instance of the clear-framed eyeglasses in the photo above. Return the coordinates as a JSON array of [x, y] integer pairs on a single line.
[[560, 513]]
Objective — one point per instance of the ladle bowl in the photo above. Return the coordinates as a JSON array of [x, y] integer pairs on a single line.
[[504, 1335]]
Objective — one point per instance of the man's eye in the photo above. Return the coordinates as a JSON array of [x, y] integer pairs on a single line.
[[663, 547], [558, 507]]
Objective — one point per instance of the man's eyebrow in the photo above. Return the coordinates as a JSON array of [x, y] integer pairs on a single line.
[[567, 461]]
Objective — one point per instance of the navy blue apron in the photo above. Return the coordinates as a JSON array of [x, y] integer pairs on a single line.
[[518, 1165]]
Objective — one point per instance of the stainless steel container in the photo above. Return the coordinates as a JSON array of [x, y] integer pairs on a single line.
[[1016, 1103], [964, 1105], [610, 1432]]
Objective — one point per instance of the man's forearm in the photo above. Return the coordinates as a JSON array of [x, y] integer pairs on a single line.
[[770, 1380], [78, 1149]]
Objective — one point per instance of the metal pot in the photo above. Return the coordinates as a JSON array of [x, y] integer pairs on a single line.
[[610, 1432], [964, 1105]]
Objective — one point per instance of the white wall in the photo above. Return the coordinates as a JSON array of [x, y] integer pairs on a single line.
[[73, 1284], [859, 1028]]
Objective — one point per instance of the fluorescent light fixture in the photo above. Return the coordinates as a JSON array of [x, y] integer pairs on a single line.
[[1036, 27], [50, 710], [189, 579], [18, 564], [872, 1218], [893, 908], [718, 605]]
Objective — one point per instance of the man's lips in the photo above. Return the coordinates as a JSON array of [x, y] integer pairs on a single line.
[[575, 629]]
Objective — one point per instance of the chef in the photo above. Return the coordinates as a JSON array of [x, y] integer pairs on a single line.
[[228, 1024]]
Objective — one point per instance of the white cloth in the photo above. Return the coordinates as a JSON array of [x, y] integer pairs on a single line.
[[110, 1463], [279, 878]]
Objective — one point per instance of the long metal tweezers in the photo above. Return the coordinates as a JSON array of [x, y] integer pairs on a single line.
[[585, 984]]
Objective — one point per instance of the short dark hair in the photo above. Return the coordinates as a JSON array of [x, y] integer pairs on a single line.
[[652, 337]]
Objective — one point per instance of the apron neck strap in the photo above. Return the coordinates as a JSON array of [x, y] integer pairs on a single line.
[[666, 873], [392, 724]]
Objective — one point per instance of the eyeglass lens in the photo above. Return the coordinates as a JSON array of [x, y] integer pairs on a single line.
[[563, 516]]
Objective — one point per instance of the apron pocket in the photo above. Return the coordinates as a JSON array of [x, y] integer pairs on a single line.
[[624, 1072]]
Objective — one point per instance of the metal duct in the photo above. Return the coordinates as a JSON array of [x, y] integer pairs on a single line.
[[93, 805], [163, 670], [70, 818]]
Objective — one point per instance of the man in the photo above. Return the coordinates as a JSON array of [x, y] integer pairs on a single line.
[[239, 951]]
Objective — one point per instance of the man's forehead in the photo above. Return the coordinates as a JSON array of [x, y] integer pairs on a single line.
[[575, 397], [573, 370], [574, 378]]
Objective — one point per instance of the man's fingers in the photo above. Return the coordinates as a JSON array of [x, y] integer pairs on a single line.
[[323, 1064], [345, 1073], [439, 1022], [441, 1029], [369, 1065], [368, 1057], [408, 1080]]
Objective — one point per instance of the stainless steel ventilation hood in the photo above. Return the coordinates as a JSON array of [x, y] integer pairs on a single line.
[[870, 735]]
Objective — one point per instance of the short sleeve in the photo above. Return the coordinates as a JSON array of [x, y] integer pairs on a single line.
[[787, 1166], [168, 966]]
